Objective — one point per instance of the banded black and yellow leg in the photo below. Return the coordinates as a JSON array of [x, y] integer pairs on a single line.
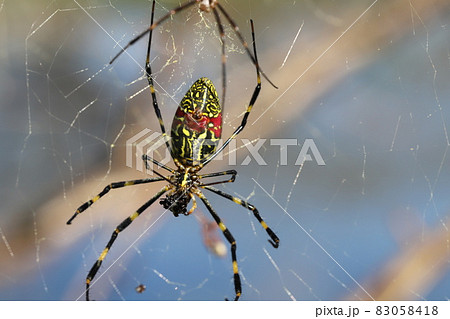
[[243, 42], [224, 57], [91, 275], [89, 203], [148, 72], [231, 172], [249, 107], [274, 240], [230, 239]]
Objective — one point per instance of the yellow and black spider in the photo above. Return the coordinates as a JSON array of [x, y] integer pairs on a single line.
[[195, 134]]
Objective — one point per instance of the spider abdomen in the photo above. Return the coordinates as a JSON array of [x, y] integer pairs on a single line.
[[197, 124]]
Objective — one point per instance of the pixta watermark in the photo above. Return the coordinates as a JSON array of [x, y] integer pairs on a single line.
[[154, 145]]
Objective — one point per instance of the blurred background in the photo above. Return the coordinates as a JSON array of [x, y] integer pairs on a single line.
[[367, 81]]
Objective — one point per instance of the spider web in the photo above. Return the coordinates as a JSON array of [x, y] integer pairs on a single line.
[[367, 81]]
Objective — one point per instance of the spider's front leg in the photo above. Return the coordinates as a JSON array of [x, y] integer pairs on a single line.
[[252, 99]]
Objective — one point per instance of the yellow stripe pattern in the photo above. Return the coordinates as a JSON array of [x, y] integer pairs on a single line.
[[103, 254]]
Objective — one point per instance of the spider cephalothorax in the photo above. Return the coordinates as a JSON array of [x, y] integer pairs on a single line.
[[183, 184]]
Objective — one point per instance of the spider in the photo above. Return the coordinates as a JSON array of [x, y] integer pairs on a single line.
[[195, 134], [204, 6]]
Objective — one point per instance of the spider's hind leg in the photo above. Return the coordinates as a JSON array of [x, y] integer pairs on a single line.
[[126, 222], [106, 190], [230, 239], [274, 240]]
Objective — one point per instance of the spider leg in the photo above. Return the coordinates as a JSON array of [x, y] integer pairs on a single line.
[[232, 172], [244, 43], [154, 25], [114, 235], [147, 158], [230, 239], [86, 205], [194, 204], [274, 240], [224, 58], [249, 107], [148, 72]]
